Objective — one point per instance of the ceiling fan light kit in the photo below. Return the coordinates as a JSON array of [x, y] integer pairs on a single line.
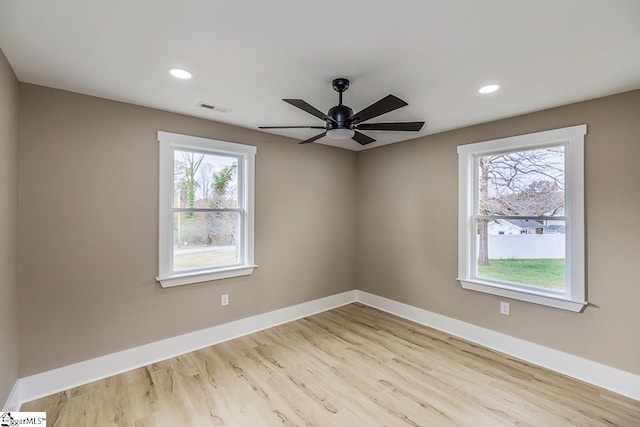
[[338, 133], [342, 123]]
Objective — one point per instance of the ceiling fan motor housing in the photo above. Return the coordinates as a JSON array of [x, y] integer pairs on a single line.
[[339, 113]]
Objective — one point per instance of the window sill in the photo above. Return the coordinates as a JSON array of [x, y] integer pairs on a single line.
[[205, 276], [523, 295]]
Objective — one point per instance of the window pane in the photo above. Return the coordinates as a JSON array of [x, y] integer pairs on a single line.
[[205, 239], [204, 180], [525, 252], [522, 183]]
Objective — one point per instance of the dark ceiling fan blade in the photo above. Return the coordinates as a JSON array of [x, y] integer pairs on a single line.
[[308, 108], [385, 105], [362, 139], [291, 127], [315, 138], [403, 126]]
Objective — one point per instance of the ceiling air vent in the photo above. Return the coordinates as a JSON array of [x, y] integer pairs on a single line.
[[218, 108]]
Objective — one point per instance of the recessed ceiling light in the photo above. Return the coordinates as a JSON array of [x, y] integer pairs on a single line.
[[489, 88], [179, 73]]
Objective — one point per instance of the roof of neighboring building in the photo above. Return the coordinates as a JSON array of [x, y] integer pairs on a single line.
[[556, 227], [523, 223]]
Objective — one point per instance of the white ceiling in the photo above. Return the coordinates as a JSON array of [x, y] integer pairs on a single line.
[[248, 55]]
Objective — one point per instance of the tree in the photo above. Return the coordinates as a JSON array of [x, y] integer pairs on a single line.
[[190, 167], [222, 181], [205, 181], [538, 199], [520, 183], [221, 225], [185, 172]]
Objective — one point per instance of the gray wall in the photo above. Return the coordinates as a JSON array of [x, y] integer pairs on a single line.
[[407, 231], [89, 229], [8, 228]]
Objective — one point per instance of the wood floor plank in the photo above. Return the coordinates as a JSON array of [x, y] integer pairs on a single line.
[[351, 366]]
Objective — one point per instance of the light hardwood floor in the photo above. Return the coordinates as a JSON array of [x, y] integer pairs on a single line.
[[351, 366]]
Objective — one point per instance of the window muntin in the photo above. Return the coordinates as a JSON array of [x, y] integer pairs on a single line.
[[561, 219], [206, 209]]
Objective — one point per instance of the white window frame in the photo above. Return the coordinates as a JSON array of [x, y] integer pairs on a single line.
[[169, 143], [573, 298]]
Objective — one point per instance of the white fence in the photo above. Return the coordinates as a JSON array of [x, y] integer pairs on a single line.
[[527, 246]]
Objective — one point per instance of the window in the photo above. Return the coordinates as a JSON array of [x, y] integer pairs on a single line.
[[206, 209], [521, 217]]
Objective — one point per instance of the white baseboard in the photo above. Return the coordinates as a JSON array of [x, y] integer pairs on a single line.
[[13, 401], [607, 377], [43, 384], [49, 382]]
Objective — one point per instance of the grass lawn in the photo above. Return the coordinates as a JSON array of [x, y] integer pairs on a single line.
[[544, 273], [210, 258]]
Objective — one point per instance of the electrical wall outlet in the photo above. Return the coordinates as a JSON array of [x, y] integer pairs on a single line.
[[504, 308], [224, 299]]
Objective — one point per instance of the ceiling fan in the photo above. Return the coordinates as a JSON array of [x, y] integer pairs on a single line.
[[341, 123]]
